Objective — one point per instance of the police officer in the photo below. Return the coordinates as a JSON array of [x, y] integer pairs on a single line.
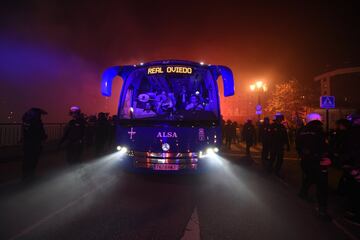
[[102, 130], [248, 135], [279, 138], [265, 138], [312, 148], [112, 131], [234, 138], [33, 134], [228, 134], [351, 166], [74, 136]]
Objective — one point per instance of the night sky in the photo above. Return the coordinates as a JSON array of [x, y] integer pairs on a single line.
[[52, 53]]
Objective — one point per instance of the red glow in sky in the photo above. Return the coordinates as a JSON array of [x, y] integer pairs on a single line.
[[68, 44]]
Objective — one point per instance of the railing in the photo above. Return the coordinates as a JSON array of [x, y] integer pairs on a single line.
[[10, 133]]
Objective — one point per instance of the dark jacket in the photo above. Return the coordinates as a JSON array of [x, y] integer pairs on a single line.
[[351, 154], [310, 142], [33, 133], [74, 132], [248, 132], [265, 134], [279, 136]]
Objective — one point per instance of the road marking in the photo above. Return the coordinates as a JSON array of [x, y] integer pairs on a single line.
[[192, 230], [53, 214], [342, 228]]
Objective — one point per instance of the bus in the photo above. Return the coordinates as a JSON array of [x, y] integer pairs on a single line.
[[169, 113]]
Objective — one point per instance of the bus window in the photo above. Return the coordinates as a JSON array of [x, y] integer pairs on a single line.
[[126, 110], [172, 97]]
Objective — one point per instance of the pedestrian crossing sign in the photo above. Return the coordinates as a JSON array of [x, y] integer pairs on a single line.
[[258, 109], [327, 102]]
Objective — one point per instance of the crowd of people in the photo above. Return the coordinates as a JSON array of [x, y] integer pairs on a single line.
[[317, 150], [274, 138], [95, 132]]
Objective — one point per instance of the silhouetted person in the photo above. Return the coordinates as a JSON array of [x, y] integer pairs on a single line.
[[222, 124], [265, 138], [90, 131], [74, 136], [339, 142], [312, 148], [112, 132], [351, 164], [233, 132], [279, 138], [33, 134], [249, 134], [228, 134], [102, 133]]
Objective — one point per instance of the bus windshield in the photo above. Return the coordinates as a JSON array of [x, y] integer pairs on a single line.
[[170, 94]]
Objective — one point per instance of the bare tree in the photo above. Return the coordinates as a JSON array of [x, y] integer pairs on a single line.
[[290, 98]]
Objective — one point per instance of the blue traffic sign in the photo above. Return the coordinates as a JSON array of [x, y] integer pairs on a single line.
[[327, 102], [258, 109]]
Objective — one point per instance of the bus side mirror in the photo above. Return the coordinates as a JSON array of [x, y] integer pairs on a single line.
[[109, 75], [228, 80]]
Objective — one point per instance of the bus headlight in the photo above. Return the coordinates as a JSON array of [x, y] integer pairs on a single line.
[[121, 149], [209, 152]]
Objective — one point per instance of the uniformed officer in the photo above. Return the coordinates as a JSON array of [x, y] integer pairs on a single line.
[[102, 130], [352, 166], [33, 134], [279, 138], [265, 138], [249, 134], [312, 148], [74, 136]]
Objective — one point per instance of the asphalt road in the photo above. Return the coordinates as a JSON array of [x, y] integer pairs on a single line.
[[98, 200]]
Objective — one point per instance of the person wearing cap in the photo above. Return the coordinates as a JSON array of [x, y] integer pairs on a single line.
[[33, 134], [74, 136], [312, 148], [278, 138]]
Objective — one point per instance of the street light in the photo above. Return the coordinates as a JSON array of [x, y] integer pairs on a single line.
[[258, 86]]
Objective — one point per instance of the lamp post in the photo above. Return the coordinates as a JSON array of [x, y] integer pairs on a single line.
[[258, 87]]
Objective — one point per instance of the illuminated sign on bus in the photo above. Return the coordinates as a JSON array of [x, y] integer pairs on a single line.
[[169, 69]]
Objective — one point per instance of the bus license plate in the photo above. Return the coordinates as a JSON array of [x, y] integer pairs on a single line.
[[166, 167]]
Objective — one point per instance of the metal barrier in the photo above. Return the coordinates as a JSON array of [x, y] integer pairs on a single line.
[[10, 133]]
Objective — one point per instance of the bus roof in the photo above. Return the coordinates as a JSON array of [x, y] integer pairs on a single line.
[[174, 62]]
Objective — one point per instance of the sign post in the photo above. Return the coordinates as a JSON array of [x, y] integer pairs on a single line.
[[327, 102]]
